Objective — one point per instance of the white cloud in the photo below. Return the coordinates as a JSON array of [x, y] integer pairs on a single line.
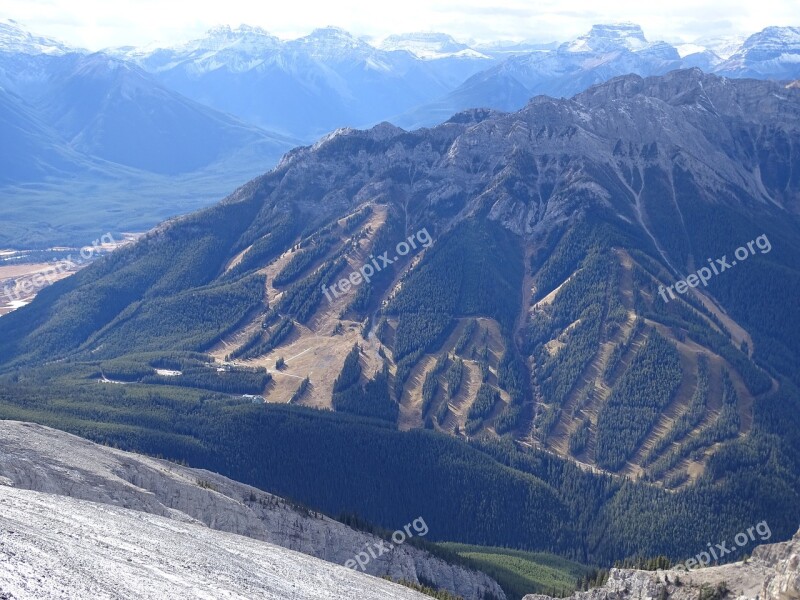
[[98, 23]]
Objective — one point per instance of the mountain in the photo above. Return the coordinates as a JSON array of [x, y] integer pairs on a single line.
[[773, 53], [327, 79], [430, 46], [608, 51], [722, 46], [506, 48], [610, 38], [32, 149], [88, 129], [59, 465], [331, 79], [240, 49], [531, 323], [107, 108], [605, 52], [14, 39]]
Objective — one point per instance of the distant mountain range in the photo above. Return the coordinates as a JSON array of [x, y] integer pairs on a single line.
[[330, 78], [109, 109], [91, 136], [309, 86], [605, 52], [213, 112], [306, 87]]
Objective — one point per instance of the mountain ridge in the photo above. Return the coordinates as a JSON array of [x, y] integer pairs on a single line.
[[528, 321]]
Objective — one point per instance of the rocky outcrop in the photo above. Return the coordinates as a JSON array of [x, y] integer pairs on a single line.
[[58, 548], [38, 458], [784, 560], [772, 573]]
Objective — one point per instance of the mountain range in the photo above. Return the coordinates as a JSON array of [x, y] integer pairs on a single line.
[[330, 78], [94, 142], [199, 118], [605, 52], [511, 366]]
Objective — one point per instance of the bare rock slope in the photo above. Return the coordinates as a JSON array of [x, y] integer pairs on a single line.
[[33, 457], [52, 547]]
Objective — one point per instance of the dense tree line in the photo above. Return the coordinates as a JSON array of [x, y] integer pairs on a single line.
[[429, 388], [264, 341], [474, 270], [193, 320], [636, 402], [368, 293], [484, 403], [268, 247], [455, 375], [580, 438], [512, 373], [724, 427], [369, 400], [689, 419], [621, 349], [688, 321], [466, 336], [350, 223], [755, 292], [300, 391], [302, 260], [509, 418], [579, 308], [238, 380], [302, 299], [525, 498]]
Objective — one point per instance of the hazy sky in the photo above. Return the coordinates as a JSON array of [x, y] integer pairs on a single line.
[[96, 24]]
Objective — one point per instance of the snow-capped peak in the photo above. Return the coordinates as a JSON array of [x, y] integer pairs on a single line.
[[246, 38], [227, 31], [609, 37], [774, 51], [773, 40], [15, 39], [332, 43], [685, 50], [722, 46], [429, 45]]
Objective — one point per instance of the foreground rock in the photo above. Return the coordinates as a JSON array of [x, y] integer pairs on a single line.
[[38, 458], [772, 573], [52, 547]]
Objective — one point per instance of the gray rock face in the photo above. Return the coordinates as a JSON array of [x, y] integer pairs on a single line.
[[784, 559], [536, 167], [58, 548], [38, 458], [773, 573]]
